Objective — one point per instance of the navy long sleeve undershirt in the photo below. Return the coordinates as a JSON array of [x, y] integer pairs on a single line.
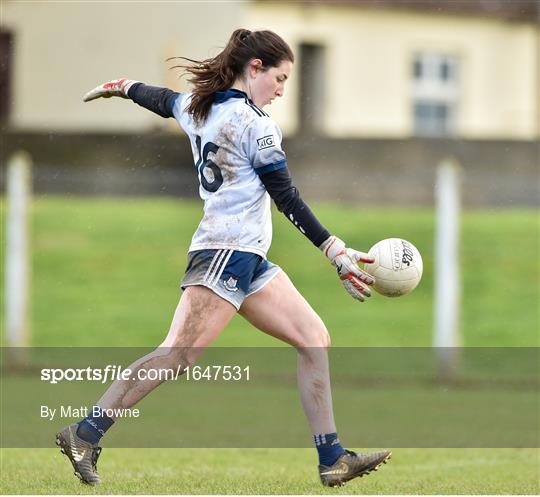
[[278, 183], [279, 186], [158, 100]]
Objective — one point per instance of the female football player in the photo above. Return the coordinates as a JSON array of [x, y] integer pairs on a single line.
[[241, 166]]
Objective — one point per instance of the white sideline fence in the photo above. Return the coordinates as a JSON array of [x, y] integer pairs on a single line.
[[17, 258], [446, 333]]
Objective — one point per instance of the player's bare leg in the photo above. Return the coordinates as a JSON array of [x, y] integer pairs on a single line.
[[193, 328], [280, 310]]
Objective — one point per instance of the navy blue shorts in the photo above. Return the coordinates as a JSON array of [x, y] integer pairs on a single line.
[[231, 274]]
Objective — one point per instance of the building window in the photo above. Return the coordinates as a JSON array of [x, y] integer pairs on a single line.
[[435, 94], [311, 87], [6, 50], [433, 118]]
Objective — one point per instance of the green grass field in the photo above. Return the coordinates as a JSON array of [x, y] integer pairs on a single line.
[[271, 471], [106, 272]]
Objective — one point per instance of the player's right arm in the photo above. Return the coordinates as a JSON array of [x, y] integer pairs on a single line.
[[156, 99]]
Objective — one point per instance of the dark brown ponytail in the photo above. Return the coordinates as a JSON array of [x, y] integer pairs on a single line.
[[220, 72]]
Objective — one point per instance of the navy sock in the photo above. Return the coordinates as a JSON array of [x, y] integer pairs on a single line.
[[329, 448], [94, 426]]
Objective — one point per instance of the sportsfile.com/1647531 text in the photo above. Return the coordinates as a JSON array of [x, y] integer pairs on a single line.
[[115, 372]]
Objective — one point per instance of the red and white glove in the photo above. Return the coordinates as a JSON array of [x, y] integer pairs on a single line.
[[115, 88], [346, 262]]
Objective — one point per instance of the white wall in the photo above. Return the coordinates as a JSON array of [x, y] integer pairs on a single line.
[[62, 50]]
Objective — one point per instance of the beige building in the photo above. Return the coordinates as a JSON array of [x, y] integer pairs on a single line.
[[61, 50], [365, 69]]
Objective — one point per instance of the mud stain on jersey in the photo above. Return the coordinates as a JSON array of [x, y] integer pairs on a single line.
[[227, 140], [212, 229], [219, 228]]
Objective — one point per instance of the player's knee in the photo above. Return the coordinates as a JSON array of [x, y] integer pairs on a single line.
[[314, 336], [327, 341], [323, 339], [177, 359]]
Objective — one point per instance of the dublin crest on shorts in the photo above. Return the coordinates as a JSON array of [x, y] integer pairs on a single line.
[[230, 283]]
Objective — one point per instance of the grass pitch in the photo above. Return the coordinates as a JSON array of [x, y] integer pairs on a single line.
[[106, 272], [272, 471]]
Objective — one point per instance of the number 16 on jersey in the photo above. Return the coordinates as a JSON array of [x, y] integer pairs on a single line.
[[209, 172]]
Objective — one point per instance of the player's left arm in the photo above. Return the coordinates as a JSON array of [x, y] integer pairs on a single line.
[[278, 184], [154, 98]]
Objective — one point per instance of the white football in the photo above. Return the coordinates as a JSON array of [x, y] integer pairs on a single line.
[[397, 268]]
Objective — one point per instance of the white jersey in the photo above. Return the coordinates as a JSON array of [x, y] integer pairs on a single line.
[[237, 143]]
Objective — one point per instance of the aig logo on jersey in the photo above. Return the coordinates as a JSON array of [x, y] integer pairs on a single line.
[[265, 142]]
